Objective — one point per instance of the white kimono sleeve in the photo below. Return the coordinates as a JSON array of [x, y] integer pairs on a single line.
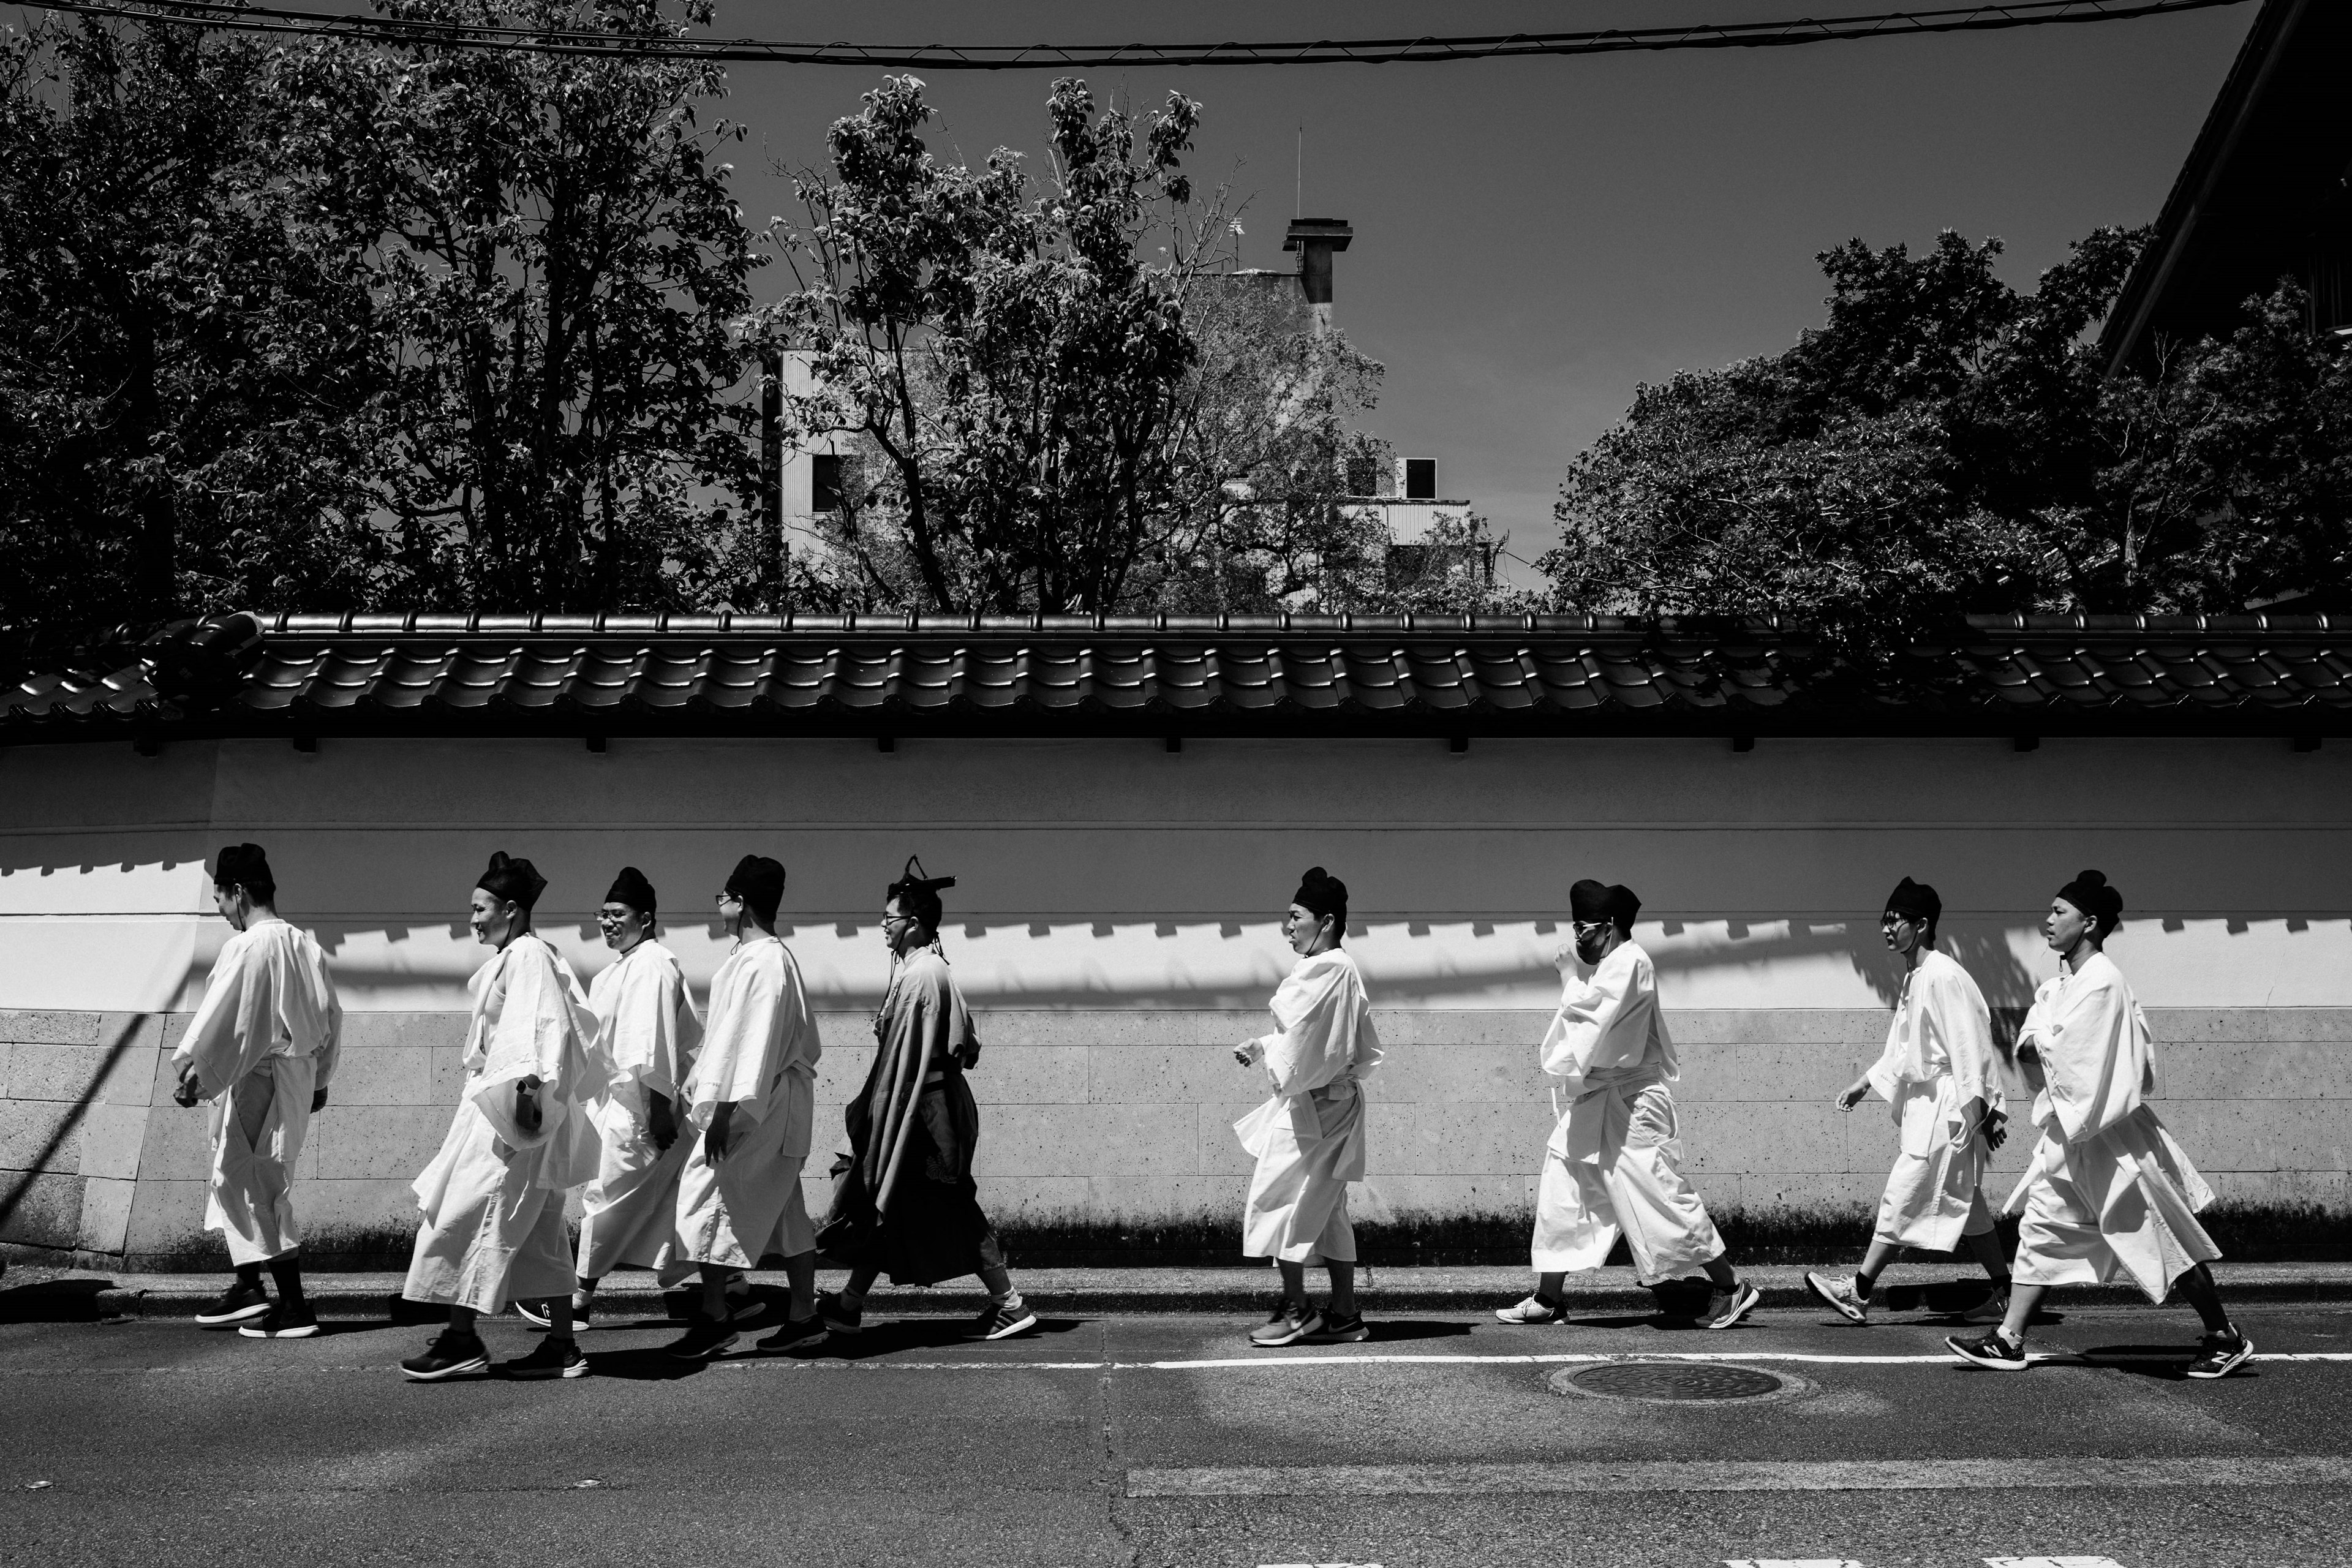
[[2095, 1052], [1604, 1021], [1325, 1014], [231, 1031], [535, 1024], [742, 1040]]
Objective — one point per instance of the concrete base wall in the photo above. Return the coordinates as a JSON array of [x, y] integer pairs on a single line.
[[1116, 922], [1100, 1121]]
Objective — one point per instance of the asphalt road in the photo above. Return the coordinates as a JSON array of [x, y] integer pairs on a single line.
[[1138, 1441]]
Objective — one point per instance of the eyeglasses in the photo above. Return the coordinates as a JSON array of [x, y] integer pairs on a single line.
[[730, 898], [1889, 923], [1588, 928], [613, 916]]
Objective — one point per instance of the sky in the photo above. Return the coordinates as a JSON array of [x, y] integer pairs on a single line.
[[1534, 238]]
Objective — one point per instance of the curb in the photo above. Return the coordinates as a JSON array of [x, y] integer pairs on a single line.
[[617, 1301]]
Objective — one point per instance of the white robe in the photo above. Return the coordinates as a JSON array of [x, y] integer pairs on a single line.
[[1309, 1140], [647, 1033], [1614, 1160], [263, 1041], [2110, 1193], [1939, 1057], [760, 1051], [493, 1196]]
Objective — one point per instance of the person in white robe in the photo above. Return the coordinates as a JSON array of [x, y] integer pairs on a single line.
[[646, 1035], [1940, 1076], [261, 1050], [521, 1137], [1613, 1162], [2109, 1193], [1308, 1139], [752, 1103]]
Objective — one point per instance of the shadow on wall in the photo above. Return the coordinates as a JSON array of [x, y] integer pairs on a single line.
[[19, 1184], [1753, 943]]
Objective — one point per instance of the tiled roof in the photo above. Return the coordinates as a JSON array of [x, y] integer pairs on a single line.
[[1448, 675]]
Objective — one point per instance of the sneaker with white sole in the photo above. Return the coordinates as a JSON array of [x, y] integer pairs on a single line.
[[703, 1339], [550, 1357], [1992, 1350], [1338, 1329], [1993, 1309], [1839, 1296], [839, 1317], [451, 1354], [1534, 1309], [282, 1322], [237, 1304], [2225, 1353], [999, 1321], [530, 1313], [796, 1333], [1288, 1325], [1726, 1308]]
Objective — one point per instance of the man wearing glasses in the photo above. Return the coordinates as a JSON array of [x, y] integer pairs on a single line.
[[647, 1033], [750, 1104], [1940, 1076], [1614, 1161]]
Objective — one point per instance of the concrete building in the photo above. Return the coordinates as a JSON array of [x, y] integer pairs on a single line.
[[1127, 806]]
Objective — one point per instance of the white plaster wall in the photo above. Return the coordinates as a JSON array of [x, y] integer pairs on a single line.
[[1111, 873]]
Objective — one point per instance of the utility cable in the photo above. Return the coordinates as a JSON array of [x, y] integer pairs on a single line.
[[1054, 56]]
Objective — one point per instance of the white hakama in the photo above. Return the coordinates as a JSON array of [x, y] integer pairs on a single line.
[[760, 1051], [1939, 1057], [646, 1033], [1309, 1139], [264, 1039], [1613, 1162], [493, 1196], [2110, 1193]]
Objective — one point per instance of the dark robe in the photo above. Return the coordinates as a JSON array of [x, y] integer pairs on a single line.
[[903, 1198]]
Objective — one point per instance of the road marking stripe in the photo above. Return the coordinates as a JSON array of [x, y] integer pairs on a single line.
[[787, 1363], [1740, 1476], [2051, 1563]]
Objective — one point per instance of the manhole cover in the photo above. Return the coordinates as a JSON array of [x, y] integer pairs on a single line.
[[1677, 1382]]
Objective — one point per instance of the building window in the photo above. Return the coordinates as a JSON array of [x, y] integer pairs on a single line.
[[1421, 478], [825, 482]]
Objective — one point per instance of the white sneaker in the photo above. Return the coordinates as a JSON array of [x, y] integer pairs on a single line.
[[1839, 1296], [1726, 1308], [1534, 1309]]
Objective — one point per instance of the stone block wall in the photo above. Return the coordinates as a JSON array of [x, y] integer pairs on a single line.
[[1115, 1118]]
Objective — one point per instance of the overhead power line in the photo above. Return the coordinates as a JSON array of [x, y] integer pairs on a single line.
[[1038, 57]]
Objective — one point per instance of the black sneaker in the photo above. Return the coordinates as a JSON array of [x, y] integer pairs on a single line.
[[283, 1322], [1992, 1350], [237, 1304], [703, 1339], [748, 1311], [451, 1354], [998, 1322], [839, 1318], [796, 1333], [551, 1358], [2225, 1353], [530, 1313], [1340, 1330]]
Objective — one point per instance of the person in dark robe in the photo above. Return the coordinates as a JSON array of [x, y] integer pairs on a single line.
[[904, 1200]]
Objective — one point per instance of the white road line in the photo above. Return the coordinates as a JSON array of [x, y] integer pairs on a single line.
[[2051, 1563], [787, 1363], [1739, 1476], [1790, 1562]]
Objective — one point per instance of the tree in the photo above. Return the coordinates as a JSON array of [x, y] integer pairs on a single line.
[[1945, 445], [560, 274], [1009, 365], [185, 366]]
